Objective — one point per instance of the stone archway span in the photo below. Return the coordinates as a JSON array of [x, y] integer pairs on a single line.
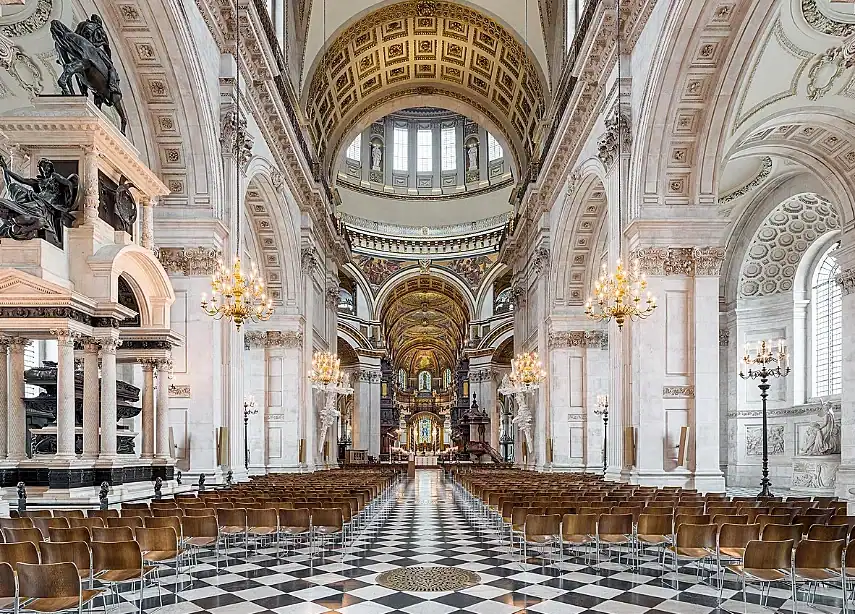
[[444, 277]]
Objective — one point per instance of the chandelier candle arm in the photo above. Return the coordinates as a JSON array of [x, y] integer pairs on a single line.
[[620, 296]]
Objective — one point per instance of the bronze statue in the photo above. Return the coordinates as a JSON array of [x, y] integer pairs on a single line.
[[41, 203], [85, 54], [126, 206]]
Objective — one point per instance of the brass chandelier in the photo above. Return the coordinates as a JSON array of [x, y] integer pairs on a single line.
[[237, 296], [618, 296]]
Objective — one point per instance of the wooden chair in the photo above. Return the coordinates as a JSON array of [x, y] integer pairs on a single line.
[[264, 523], [782, 532], [199, 511], [579, 530], [45, 524], [16, 523], [825, 532], [136, 513], [614, 530], [655, 530], [173, 522], [731, 544], [21, 552], [89, 523], [201, 532], [765, 562], [160, 545], [37, 514], [542, 531], [722, 519], [52, 587], [68, 514], [233, 524], [327, 525], [817, 561], [134, 522], [113, 534], [8, 587], [294, 525], [69, 552], [120, 563], [165, 512], [13, 536], [696, 542], [135, 506], [102, 514], [848, 572], [75, 534]]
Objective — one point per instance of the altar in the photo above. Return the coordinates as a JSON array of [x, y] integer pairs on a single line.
[[425, 435], [426, 460]]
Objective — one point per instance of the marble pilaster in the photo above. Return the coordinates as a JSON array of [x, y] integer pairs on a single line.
[[91, 399], [17, 423], [65, 394], [162, 418], [4, 394], [147, 223], [108, 398], [147, 420]]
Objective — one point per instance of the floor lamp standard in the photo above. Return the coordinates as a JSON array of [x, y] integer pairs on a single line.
[[761, 362], [603, 411]]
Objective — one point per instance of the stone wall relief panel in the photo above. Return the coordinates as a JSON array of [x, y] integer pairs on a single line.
[[776, 441]]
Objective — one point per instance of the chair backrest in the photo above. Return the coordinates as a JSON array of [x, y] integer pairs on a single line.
[[67, 552], [295, 518], [768, 554], [136, 513], [819, 554], [825, 532], [116, 555], [542, 524], [44, 524], [163, 539], [37, 514], [200, 526], [8, 586], [327, 517], [21, 552], [163, 504], [691, 519], [655, 524], [16, 523], [89, 523], [102, 513], [615, 524], [849, 521], [722, 519], [49, 580], [74, 534], [231, 517], [781, 532], [23, 535], [579, 524], [113, 534], [199, 511], [135, 506], [266, 518], [133, 522], [737, 535], [68, 514], [163, 512], [691, 535], [173, 522]]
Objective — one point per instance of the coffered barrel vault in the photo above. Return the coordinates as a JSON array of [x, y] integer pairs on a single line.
[[441, 50]]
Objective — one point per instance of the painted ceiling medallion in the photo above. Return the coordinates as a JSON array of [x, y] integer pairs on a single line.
[[32, 22], [817, 20]]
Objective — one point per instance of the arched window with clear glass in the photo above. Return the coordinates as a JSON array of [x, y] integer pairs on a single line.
[[826, 326]]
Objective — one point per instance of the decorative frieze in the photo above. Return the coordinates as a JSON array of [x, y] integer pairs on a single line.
[[616, 138], [372, 376], [678, 392], [480, 375], [688, 261], [284, 339], [191, 262], [541, 261], [846, 280], [309, 258], [254, 339], [179, 391], [596, 339]]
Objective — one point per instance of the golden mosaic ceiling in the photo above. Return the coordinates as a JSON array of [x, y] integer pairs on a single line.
[[424, 324], [424, 48]]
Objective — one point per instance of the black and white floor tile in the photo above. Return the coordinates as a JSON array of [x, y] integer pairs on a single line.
[[426, 522]]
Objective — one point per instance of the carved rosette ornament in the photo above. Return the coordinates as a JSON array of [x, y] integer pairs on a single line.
[[617, 136], [723, 338], [191, 262]]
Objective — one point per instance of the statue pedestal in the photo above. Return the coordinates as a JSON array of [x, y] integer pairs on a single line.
[[815, 475]]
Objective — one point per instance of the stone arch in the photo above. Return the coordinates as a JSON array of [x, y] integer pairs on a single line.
[[352, 337], [385, 292], [144, 274], [492, 275], [459, 54], [496, 337], [581, 214], [272, 218]]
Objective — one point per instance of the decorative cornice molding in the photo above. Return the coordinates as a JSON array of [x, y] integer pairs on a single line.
[[796, 410], [189, 261], [846, 281], [688, 261], [765, 170], [481, 375], [372, 376], [678, 392], [595, 339]]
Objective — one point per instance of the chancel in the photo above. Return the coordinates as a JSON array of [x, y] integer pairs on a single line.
[[427, 306]]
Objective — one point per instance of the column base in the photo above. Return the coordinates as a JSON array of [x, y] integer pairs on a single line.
[[677, 477], [709, 482], [845, 486], [615, 474]]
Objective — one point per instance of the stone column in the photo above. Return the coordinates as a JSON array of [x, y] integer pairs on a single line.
[[4, 394], [163, 368], [147, 407], [90, 185], [147, 223], [91, 393], [846, 473], [278, 398], [17, 419], [65, 394], [108, 398]]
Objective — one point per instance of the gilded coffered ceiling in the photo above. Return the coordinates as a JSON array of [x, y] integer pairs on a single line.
[[424, 323], [438, 51]]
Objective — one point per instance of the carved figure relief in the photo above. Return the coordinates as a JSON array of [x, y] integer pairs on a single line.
[[754, 440], [376, 156], [820, 439]]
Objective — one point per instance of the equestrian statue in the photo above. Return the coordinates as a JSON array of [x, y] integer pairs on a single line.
[[85, 54]]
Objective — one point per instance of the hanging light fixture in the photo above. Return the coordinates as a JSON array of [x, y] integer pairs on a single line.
[[618, 295], [236, 295]]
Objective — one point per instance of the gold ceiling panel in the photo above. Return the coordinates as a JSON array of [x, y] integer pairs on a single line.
[[425, 48]]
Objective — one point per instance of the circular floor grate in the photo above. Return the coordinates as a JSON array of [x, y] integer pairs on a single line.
[[427, 579]]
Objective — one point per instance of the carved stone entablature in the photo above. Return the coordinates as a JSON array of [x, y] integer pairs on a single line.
[[688, 261], [617, 136], [372, 376], [796, 410], [846, 280], [309, 258], [192, 261], [254, 339], [284, 339], [678, 392], [481, 375], [596, 339], [723, 338], [179, 391], [541, 261]]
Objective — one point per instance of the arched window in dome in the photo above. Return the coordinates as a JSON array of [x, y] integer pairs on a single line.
[[354, 150], [402, 379], [448, 145], [401, 146], [447, 378], [827, 326], [425, 381], [502, 303], [424, 150], [494, 149]]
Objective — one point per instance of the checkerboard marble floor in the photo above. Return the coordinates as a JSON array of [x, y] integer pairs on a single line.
[[426, 523]]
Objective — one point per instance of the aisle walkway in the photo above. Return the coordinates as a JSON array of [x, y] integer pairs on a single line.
[[426, 524]]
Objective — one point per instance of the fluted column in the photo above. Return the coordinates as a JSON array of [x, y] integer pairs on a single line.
[[90, 183], [162, 420], [17, 419], [65, 394], [91, 409], [4, 393], [147, 408], [108, 398]]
